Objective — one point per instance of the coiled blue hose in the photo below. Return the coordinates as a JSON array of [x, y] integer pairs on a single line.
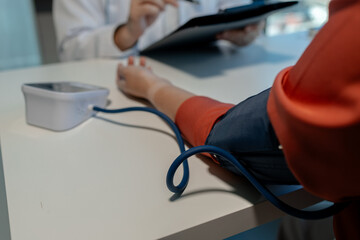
[[182, 159]]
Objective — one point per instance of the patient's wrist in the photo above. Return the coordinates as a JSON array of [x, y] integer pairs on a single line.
[[155, 87]]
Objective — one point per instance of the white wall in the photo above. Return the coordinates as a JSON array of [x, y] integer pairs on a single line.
[[18, 36]]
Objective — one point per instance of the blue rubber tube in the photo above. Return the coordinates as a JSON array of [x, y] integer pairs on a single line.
[[182, 159]]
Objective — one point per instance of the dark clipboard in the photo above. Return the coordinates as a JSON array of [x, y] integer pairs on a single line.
[[203, 29]]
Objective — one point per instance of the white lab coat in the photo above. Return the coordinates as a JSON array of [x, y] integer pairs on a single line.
[[85, 28]]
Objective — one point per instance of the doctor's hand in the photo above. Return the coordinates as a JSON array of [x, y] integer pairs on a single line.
[[143, 13], [138, 80], [244, 36]]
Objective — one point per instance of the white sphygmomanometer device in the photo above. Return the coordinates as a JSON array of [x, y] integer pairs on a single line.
[[60, 106]]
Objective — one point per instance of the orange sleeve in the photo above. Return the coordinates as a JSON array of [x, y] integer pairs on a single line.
[[315, 110], [196, 117], [337, 5]]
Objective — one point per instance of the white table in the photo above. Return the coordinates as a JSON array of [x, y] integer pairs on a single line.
[[105, 179]]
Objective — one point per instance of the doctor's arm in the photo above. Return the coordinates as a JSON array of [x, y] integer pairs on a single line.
[[81, 30], [84, 30]]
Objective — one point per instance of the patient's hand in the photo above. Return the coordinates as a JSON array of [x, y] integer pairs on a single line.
[[244, 36], [138, 80]]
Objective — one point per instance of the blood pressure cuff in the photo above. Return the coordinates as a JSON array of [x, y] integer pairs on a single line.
[[246, 132]]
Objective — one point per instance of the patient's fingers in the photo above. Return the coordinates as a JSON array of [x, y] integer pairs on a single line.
[[142, 61], [120, 69], [131, 60]]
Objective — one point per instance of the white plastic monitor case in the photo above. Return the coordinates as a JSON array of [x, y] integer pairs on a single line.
[[60, 106]]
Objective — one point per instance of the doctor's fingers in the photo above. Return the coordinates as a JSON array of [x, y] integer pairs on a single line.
[[162, 3], [172, 2], [239, 37], [156, 5]]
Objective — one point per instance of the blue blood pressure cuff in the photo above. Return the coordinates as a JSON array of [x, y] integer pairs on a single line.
[[246, 132]]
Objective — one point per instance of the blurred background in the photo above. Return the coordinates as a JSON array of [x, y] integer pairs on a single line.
[[27, 36]]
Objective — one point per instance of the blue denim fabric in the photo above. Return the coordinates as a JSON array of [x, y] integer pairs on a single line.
[[246, 132]]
